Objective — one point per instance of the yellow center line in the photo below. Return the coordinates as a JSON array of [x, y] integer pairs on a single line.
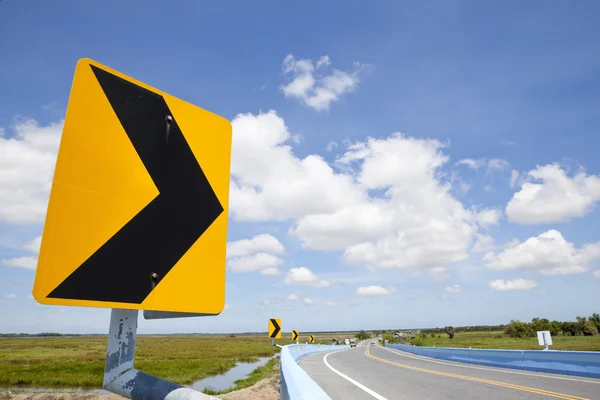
[[487, 381]]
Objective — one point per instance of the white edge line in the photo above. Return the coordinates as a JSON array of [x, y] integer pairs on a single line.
[[361, 386], [457, 364]]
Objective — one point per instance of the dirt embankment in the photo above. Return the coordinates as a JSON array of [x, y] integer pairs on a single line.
[[267, 389]]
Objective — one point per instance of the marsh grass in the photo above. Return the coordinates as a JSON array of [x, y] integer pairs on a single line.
[[497, 340], [79, 361]]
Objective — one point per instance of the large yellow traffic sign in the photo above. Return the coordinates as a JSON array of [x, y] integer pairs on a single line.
[[137, 216], [275, 328]]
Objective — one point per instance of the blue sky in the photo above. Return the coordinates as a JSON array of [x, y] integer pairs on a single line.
[[423, 228]]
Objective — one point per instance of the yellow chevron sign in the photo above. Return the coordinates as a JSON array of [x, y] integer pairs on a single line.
[[137, 216]]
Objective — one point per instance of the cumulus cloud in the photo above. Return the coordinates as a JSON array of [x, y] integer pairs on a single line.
[[27, 160], [292, 297], [249, 255], [26, 262], [517, 284], [453, 289], [255, 262], [552, 196], [308, 301], [259, 243], [549, 253], [314, 84], [483, 244], [384, 201], [294, 188], [34, 245], [304, 276], [490, 216], [373, 291], [597, 274], [9, 296]]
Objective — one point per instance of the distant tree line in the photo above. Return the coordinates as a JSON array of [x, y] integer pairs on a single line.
[[471, 328], [582, 326], [43, 334]]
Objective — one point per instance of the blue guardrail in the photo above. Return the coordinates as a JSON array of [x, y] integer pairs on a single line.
[[295, 384], [580, 363]]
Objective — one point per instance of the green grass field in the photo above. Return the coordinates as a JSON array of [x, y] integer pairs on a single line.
[[497, 340], [79, 361]]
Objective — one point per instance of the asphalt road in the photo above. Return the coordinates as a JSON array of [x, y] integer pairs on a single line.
[[368, 372]]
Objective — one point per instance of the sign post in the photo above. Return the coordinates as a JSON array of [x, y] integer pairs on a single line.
[[544, 339], [137, 216]]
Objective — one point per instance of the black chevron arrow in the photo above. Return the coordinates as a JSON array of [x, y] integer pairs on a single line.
[[295, 335], [312, 338], [276, 329], [133, 261]]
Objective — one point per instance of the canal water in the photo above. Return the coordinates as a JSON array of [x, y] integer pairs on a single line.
[[227, 380]]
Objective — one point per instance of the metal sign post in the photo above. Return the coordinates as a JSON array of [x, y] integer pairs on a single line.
[[120, 376]]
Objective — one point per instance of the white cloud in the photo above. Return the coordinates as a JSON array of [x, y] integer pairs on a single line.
[[259, 243], [483, 244], [34, 245], [514, 176], [227, 306], [331, 303], [315, 87], [497, 164], [255, 262], [270, 271], [553, 196], [27, 161], [296, 187], [517, 284], [492, 164], [331, 145], [488, 188], [373, 291], [292, 297], [549, 253], [384, 202], [597, 274], [471, 163], [249, 255], [10, 296], [489, 216], [30, 297], [453, 289], [304, 276], [20, 262], [308, 301]]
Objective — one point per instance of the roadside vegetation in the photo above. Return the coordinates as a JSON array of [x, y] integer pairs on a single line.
[[71, 361], [79, 361], [578, 335], [499, 340]]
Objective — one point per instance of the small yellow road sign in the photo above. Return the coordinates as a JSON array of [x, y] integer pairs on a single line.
[[294, 335], [275, 328], [311, 338], [137, 216]]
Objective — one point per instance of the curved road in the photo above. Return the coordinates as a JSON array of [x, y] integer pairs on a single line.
[[375, 372]]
